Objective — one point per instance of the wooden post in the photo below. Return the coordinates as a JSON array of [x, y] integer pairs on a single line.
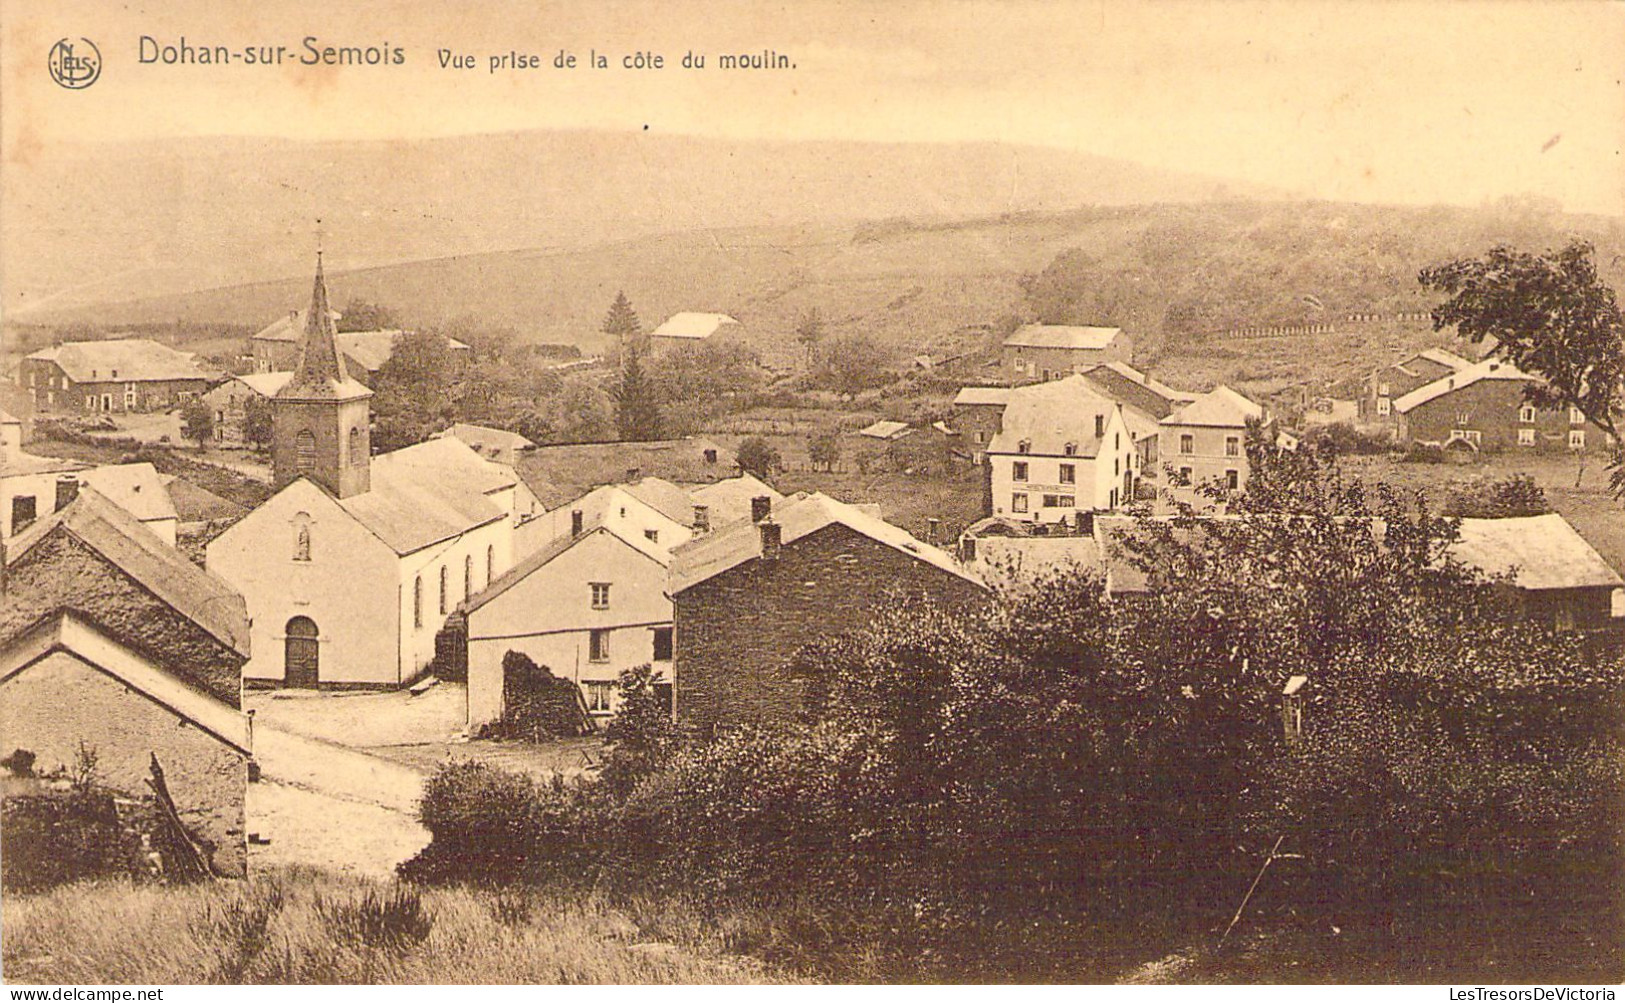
[[192, 863]]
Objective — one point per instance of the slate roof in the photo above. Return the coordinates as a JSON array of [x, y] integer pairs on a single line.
[[1489, 369], [1542, 552], [321, 373], [22, 464], [196, 504], [290, 327], [371, 349], [1062, 336], [138, 552], [426, 493], [134, 360], [561, 474], [1051, 415], [1441, 357], [265, 384], [1220, 407], [694, 326], [1122, 382], [488, 442], [976, 396], [134, 487], [705, 557], [729, 501], [886, 430]]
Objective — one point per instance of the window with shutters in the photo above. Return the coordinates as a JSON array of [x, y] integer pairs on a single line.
[[304, 451]]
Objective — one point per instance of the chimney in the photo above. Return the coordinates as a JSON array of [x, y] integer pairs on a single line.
[[1100, 425], [933, 526], [575, 522], [67, 489], [632, 474], [760, 508], [967, 549], [702, 519], [772, 540]]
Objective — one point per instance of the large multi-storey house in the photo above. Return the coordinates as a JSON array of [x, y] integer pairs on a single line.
[[1389, 383], [1205, 441], [120, 374], [1053, 351], [1063, 448], [1483, 408]]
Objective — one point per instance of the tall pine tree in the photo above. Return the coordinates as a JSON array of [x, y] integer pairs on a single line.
[[637, 410], [622, 324]]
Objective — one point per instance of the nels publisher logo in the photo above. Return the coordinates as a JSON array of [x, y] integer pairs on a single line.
[[75, 65]]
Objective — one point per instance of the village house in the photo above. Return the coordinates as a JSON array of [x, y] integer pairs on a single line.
[[1206, 440], [1482, 408], [1389, 383], [33, 487], [495, 444], [1062, 448], [114, 642], [1052, 351], [276, 346], [977, 414], [588, 607], [690, 328], [229, 403], [747, 598], [353, 565], [118, 375], [560, 474], [1559, 579]]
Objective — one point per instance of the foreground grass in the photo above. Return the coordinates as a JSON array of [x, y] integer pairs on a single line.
[[301, 926]]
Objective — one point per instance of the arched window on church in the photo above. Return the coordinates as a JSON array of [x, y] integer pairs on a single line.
[[301, 537], [490, 564], [304, 451], [468, 576], [358, 447], [442, 590], [417, 601]]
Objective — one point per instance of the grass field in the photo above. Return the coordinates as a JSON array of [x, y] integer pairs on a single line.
[[301, 926]]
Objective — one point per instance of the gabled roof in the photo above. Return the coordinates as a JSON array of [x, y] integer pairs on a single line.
[[20, 464], [1442, 357], [426, 493], [124, 360], [550, 552], [1049, 416], [1122, 382], [693, 325], [371, 349], [705, 557], [196, 504], [289, 327], [1220, 407], [977, 396], [729, 501], [486, 440], [1541, 551], [134, 549], [664, 497], [1063, 336], [886, 430], [68, 632], [1489, 369], [320, 374], [560, 474], [265, 384], [134, 487]]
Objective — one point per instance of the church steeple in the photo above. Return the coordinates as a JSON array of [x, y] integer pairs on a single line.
[[320, 417]]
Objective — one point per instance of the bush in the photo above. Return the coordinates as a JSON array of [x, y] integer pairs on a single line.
[[489, 824], [1514, 495], [1423, 452], [537, 705]]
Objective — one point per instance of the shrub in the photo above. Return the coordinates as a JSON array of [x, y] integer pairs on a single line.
[[1513, 495], [391, 920], [492, 825]]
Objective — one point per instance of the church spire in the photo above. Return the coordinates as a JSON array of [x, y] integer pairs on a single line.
[[321, 371]]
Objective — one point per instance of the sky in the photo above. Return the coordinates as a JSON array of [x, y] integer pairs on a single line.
[[1358, 100]]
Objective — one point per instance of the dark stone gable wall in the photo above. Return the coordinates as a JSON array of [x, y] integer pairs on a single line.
[[736, 632], [60, 573]]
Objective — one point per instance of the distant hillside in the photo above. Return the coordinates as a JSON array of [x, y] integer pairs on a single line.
[[104, 223], [935, 285]]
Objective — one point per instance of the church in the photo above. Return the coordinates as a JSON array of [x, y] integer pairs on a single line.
[[351, 567]]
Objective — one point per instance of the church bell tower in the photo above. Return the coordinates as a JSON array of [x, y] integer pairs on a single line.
[[320, 417]]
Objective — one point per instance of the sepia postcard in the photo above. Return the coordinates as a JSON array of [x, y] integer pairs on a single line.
[[827, 492]]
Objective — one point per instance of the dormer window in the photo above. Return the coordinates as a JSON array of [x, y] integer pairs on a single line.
[[115, 374], [1024, 446], [1070, 449]]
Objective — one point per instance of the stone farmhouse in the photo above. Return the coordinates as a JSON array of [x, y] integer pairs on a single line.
[[112, 639], [1062, 448], [118, 375], [1389, 383], [229, 403], [1482, 408], [747, 598], [1051, 351], [351, 568]]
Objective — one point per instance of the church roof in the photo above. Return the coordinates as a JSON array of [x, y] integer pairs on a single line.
[[321, 372], [426, 493]]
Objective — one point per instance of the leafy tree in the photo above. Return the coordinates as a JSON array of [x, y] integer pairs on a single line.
[[257, 424], [825, 451], [637, 409], [197, 422], [581, 411], [642, 734], [622, 325], [696, 383], [809, 332], [758, 458], [1550, 315], [360, 315], [853, 364], [412, 396]]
